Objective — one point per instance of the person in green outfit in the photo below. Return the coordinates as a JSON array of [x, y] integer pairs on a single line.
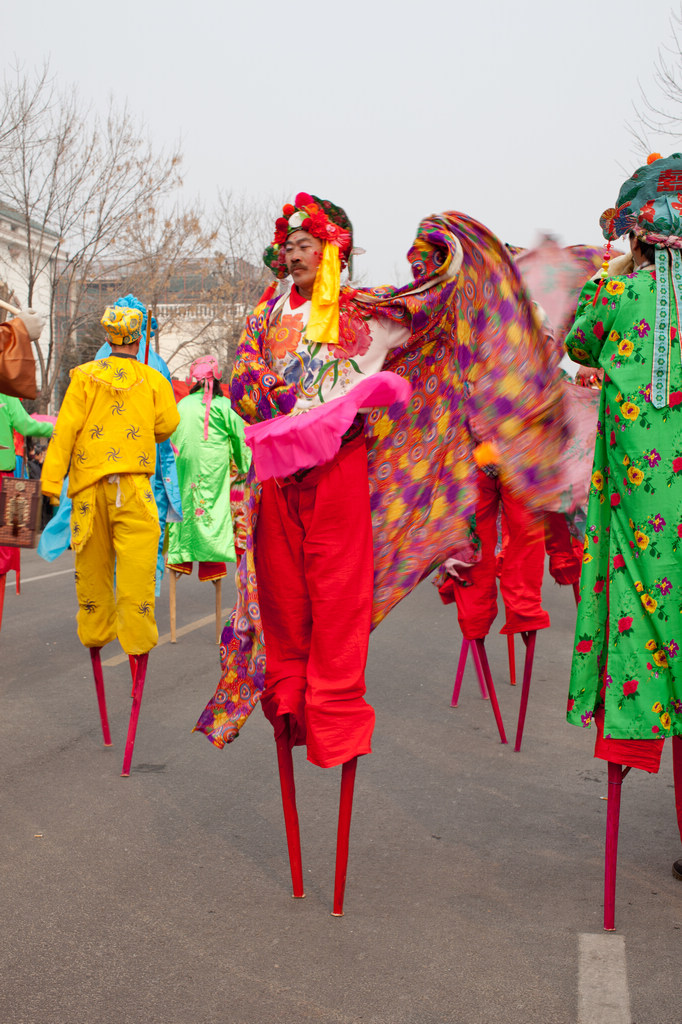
[[209, 437], [626, 673], [13, 417]]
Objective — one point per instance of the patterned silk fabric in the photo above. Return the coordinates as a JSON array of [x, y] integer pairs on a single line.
[[481, 371]]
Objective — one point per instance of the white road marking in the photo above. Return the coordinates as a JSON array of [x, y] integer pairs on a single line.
[[603, 996], [46, 576], [118, 659]]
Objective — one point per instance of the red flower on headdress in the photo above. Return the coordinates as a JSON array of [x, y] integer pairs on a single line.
[[647, 211], [302, 200], [281, 228], [288, 209]]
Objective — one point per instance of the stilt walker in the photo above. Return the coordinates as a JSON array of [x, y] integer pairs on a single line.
[[626, 675], [362, 478], [13, 416], [114, 412], [211, 452]]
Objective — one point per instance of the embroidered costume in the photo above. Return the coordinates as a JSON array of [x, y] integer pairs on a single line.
[[114, 412], [465, 320], [209, 441], [626, 659]]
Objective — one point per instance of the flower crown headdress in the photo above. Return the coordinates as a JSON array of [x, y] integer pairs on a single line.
[[321, 219]]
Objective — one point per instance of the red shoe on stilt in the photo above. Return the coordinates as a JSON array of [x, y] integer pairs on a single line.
[[343, 834], [99, 689], [529, 641], [138, 664], [285, 763]]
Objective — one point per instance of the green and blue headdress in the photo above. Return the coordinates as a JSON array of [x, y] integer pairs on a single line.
[[650, 205]]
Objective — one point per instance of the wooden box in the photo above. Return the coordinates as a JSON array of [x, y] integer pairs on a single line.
[[20, 506]]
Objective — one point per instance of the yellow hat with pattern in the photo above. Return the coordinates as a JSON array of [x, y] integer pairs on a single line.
[[122, 324]]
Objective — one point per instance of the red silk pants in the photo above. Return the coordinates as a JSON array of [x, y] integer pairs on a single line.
[[522, 566], [315, 571]]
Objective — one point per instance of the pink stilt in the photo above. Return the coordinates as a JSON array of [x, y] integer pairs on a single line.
[[461, 664], [3, 581], [343, 833], [99, 689], [138, 663], [285, 763], [479, 668], [529, 641], [512, 659], [478, 648], [616, 775]]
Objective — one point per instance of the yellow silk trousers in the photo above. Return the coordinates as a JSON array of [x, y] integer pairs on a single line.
[[115, 526]]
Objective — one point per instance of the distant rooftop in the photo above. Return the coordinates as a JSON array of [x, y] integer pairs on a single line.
[[9, 213]]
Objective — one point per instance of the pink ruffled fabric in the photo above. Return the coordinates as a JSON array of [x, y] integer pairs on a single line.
[[286, 444]]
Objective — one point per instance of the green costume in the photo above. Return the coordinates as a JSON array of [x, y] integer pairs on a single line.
[[629, 627], [13, 416], [203, 463]]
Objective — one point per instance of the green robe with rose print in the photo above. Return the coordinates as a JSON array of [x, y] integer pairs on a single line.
[[629, 628]]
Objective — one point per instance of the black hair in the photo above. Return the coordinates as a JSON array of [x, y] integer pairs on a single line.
[[199, 386], [647, 249]]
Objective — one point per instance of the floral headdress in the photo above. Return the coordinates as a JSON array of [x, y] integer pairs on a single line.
[[321, 219], [650, 204]]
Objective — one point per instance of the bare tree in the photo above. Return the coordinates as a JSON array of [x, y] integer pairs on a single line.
[[233, 281], [78, 181], [662, 116]]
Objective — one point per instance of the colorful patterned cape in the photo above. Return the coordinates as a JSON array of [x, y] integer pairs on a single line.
[[481, 371]]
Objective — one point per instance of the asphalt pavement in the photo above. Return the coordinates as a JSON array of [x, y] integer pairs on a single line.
[[475, 878]]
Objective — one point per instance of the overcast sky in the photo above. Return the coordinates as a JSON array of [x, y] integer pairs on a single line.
[[515, 113]]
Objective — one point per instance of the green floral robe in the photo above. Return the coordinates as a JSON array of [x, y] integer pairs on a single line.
[[629, 628], [206, 531]]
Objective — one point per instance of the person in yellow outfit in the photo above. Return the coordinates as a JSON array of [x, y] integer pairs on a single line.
[[113, 414]]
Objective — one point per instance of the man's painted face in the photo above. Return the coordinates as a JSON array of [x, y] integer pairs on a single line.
[[302, 255]]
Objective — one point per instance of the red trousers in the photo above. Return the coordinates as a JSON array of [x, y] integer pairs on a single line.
[[522, 567], [565, 552], [315, 572]]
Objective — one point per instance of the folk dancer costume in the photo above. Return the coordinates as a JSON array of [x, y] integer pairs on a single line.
[[114, 413], [165, 479], [56, 537], [209, 442], [626, 674], [396, 485]]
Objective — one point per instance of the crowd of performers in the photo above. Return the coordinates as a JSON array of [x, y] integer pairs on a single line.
[[392, 432]]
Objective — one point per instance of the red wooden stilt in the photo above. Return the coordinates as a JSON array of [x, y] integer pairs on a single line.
[[479, 650], [133, 669], [343, 834], [285, 763], [616, 775], [576, 592], [3, 581], [464, 650], [480, 675], [139, 661], [529, 641], [512, 659], [99, 689]]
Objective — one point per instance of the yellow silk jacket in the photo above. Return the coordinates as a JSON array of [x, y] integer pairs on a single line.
[[114, 412]]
